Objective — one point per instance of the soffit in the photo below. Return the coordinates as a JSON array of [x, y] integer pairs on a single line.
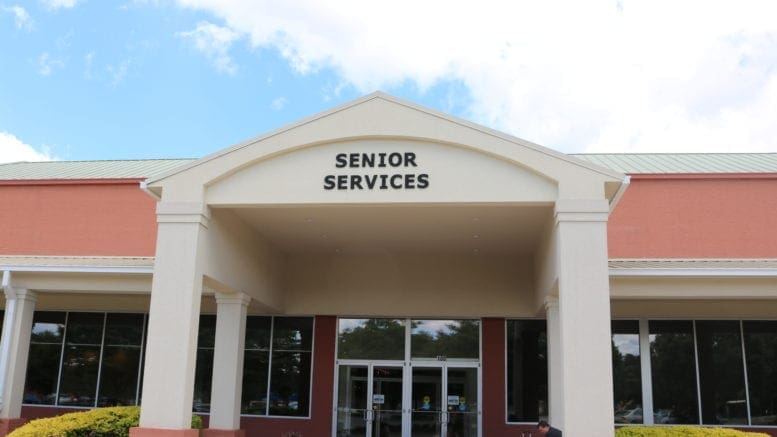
[[355, 229]]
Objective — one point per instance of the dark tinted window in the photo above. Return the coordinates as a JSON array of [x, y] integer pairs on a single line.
[[673, 364], [626, 371], [527, 370]]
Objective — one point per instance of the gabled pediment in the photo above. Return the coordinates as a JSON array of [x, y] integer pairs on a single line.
[[464, 162]]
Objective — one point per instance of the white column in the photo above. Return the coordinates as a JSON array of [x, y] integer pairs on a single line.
[[555, 355], [17, 328], [176, 290], [226, 390], [584, 319]]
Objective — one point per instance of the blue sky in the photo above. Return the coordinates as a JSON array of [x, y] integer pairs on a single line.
[[149, 79]]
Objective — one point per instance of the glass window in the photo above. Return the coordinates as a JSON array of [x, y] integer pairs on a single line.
[[203, 371], [42, 372], [290, 358], [256, 363], [121, 359], [527, 370], [258, 333], [626, 371], [290, 383], [721, 373], [124, 329], [292, 334], [673, 365], [81, 359], [761, 353], [48, 327], [119, 376], [371, 339], [79, 376], [48, 331], [450, 339]]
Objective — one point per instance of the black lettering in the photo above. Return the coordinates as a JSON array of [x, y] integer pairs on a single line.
[[340, 160], [368, 160], [371, 180], [329, 182], [410, 159], [423, 181], [395, 159], [382, 161], [409, 181], [383, 185], [342, 182], [395, 185], [356, 181], [354, 160]]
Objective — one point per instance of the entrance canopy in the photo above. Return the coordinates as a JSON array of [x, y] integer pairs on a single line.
[[300, 217]]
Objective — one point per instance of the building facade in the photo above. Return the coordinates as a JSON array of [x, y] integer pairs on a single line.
[[382, 269]]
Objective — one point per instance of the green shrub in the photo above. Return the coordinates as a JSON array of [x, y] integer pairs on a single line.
[[100, 422], [682, 431]]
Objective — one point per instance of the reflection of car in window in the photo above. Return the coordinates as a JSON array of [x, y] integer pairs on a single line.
[[629, 416]]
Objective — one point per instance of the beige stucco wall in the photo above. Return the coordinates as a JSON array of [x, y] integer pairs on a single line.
[[237, 257], [298, 178], [435, 285], [693, 309]]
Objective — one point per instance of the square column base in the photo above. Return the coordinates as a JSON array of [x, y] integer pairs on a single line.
[[8, 425], [210, 432], [158, 432]]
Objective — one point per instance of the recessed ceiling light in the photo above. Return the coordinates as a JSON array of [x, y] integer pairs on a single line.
[[476, 236], [309, 219], [324, 236], [475, 219]]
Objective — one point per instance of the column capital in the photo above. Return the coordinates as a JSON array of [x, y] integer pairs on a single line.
[[183, 212], [232, 298], [581, 210], [551, 302], [13, 293]]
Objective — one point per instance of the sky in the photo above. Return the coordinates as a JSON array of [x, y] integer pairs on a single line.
[[130, 79]]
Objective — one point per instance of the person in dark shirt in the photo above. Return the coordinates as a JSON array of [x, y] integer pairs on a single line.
[[546, 430]]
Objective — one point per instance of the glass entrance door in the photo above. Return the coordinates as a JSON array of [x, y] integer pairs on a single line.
[[444, 401], [369, 401]]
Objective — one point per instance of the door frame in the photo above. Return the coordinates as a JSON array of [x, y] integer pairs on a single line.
[[407, 365], [407, 394]]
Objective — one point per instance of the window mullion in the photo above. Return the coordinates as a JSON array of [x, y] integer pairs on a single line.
[[100, 361], [269, 366], [744, 366], [698, 377], [646, 372], [61, 357]]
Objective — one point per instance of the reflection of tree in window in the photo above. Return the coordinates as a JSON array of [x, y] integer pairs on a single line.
[[761, 352], [673, 372], [373, 339], [627, 377], [454, 339]]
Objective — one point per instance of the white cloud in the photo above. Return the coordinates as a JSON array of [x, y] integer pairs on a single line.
[[116, 72], [60, 4], [214, 41], [603, 75], [279, 103], [13, 149], [21, 17], [47, 64]]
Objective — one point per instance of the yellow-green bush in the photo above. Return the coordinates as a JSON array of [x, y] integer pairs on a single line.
[[682, 431], [100, 422]]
